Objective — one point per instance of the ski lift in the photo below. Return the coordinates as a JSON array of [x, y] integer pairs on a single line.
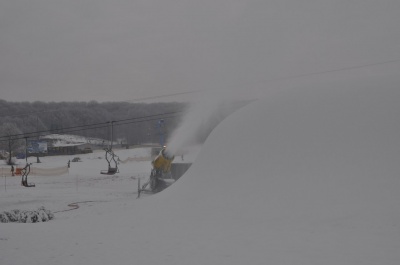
[[25, 172], [110, 157]]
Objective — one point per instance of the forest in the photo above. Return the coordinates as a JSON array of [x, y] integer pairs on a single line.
[[134, 122]]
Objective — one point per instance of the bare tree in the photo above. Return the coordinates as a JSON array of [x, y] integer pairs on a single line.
[[10, 139]]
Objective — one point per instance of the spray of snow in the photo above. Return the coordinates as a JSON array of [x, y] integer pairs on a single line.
[[202, 117]]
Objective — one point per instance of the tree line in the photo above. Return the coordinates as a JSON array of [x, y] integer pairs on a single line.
[[134, 123], [47, 117]]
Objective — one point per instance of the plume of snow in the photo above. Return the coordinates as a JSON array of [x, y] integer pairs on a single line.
[[201, 118]]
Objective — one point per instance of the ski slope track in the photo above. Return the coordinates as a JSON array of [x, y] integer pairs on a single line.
[[307, 175]]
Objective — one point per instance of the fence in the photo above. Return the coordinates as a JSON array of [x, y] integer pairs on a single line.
[[57, 171]]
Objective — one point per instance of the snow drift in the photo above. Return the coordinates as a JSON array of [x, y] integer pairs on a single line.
[[305, 176]]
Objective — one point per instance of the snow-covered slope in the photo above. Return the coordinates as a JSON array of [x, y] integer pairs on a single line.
[[309, 174], [304, 176]]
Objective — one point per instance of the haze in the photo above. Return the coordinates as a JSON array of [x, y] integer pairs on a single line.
[[128, 50]]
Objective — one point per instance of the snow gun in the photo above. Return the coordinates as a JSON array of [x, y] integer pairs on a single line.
[[162, 162], [160, 176]]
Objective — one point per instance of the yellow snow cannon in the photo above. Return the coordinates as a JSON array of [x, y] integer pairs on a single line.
[[160, 176], [162, 162]]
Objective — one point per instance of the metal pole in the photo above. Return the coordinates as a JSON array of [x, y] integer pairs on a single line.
[[138, 188], [26, 150], [10, 152], [37, 130], [112, 134]]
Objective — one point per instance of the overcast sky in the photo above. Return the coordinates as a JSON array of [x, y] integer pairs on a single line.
[[58, 50]]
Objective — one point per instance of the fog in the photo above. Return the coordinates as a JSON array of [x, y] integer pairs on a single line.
[[127, 50]]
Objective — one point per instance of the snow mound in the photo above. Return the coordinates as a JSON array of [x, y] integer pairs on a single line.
[[304, 176]]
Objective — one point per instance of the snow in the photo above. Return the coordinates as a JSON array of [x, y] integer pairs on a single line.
[[73, 140], [304, 176], [83, 181]]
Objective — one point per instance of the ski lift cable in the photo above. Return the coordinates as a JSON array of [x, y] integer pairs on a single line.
[[167, 95], [163, 96], [333, 70], [102, 124], [125, 123], [77, 130], [74, 129], [278, 78]]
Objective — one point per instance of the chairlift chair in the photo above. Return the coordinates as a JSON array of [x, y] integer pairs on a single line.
[[25, 172], [110, 157]]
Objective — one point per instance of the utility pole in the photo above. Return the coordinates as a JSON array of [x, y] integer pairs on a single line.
[[9, 149], [112, 134], [26, 150], [37, 130]]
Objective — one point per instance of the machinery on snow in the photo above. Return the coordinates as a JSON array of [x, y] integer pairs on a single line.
[[160, 176]]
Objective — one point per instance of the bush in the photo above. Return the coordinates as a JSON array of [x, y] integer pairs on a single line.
[[18, 216]]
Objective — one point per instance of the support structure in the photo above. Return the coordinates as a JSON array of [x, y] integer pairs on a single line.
[[25, 172], [112, 163]]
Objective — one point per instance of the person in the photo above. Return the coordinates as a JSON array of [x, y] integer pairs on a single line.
[[12, 170], [69, 162]]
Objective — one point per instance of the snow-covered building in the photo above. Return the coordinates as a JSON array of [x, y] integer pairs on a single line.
[[72, 144]]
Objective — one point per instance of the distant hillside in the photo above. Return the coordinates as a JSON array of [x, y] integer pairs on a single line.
[[138, 120]]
